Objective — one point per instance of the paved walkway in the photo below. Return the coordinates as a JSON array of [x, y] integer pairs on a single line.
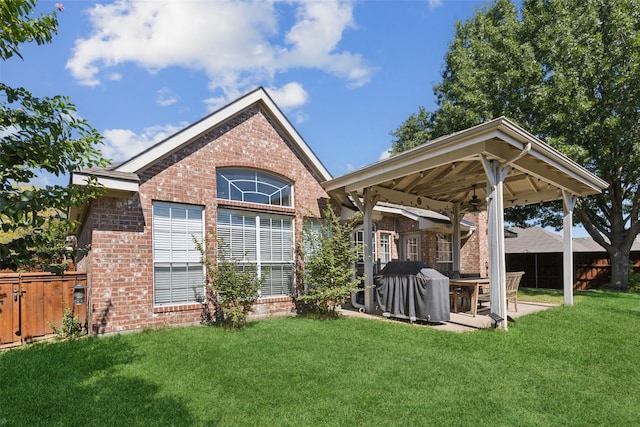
[[463, 321]]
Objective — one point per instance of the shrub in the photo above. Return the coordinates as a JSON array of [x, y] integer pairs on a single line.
[[329, 260], [232, 285], [71, 326], [634, 279]]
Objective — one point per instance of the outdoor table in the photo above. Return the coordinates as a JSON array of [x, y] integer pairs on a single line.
[[472, 286]]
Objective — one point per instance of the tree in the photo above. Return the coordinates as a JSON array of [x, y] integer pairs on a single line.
[[37, 135], [329, 260], [568, 71]]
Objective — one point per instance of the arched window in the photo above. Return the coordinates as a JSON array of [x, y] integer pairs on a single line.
[[254, 186]]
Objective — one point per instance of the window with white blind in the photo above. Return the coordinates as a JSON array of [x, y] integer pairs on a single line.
[[262, 239], [178, 274]]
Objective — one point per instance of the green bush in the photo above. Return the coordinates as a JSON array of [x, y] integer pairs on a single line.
[[71, 326], [634, 279], [329, 260], [232, 286]]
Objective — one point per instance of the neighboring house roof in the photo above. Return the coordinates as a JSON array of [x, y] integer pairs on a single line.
[[539, 240], [124, 176]]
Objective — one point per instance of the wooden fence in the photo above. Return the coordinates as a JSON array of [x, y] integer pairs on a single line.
[[29, 302], [592, 270]]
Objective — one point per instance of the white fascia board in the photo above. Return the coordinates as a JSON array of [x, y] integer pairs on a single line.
[[454, 147], [304, 148], [551, 156], [108, 183], [387, 209], [193, 131]]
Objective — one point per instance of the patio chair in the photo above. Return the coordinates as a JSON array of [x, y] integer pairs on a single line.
[[456, 297], [513, 282], [457, 294]]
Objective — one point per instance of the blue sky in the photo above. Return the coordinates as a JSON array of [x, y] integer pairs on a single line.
[[345, 73]]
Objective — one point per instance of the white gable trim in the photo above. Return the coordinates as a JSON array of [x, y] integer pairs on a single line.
[[110, 183], [187, 135]]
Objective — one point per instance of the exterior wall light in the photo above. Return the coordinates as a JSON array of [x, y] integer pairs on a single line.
[[78, 294]]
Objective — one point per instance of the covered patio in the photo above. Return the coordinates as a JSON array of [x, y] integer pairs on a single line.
[[488, 167]]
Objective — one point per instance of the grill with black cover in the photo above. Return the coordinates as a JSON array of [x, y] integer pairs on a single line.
[[412, 290]]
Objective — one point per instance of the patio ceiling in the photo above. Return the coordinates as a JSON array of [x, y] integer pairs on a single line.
[[445, 171]]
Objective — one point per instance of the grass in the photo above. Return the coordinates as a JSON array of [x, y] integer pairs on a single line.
[[564, 366], [551, 296]]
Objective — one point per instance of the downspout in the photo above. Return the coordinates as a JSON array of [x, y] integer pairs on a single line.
[[354, 295]]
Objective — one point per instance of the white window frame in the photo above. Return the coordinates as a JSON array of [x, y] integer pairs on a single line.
[[247, 185], [385, 249], [255, 238], [407, 254], [178, 272], [444, 249]]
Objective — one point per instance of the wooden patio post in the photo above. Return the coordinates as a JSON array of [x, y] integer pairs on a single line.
[[568, 203], [456, 236], [369, 203], [496, 173]]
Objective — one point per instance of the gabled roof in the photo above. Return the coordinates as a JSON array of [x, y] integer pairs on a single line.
[[124, 176], [451, 168]]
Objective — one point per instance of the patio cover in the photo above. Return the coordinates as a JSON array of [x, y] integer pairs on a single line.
[[505, 166]]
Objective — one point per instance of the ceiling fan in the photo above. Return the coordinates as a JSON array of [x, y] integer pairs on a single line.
[[475, 202]]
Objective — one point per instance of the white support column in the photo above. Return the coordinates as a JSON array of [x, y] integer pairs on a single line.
[[496, 174], [456, 236], [568, 203], [369, 203]]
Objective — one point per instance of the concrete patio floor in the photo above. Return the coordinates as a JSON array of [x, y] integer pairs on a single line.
[[461, 321]]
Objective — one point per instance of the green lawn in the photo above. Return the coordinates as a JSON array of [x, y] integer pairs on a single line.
[[564, 366], [552, 296]]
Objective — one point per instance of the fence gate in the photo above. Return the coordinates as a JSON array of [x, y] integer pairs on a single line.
[[30, 301]]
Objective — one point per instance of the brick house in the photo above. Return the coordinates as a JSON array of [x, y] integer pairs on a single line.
[[414, 234], [245, 173]]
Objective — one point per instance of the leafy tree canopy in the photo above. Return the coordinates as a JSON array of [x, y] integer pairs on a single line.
[[568, 71], [36, 135]]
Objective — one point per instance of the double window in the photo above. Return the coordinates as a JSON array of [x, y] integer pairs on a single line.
[[264, 240], [178, 274]]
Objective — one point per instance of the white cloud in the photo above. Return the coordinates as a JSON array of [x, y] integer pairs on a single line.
[[385, 154], [289, 96], [122, 144], [165, 97], [238, 44], [434, 3], [300, 117]]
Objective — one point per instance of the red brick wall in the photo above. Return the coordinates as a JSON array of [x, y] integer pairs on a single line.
[[475, 250], [119, 230]]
